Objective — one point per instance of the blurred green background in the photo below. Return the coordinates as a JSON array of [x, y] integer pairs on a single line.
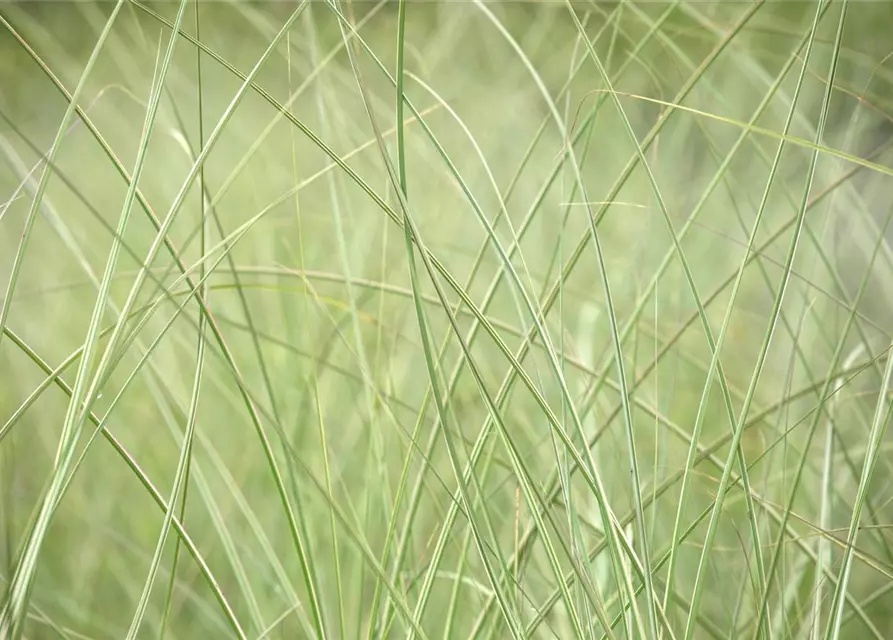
[[325, 490]]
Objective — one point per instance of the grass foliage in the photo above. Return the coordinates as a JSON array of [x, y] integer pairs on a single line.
[[338, 319]]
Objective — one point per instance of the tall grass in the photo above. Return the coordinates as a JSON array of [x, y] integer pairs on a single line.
[[417, 319]]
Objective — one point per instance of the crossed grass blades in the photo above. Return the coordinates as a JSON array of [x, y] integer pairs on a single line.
[[335, 319]]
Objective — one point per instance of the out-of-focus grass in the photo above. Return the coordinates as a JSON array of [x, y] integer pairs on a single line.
[[447, 368]]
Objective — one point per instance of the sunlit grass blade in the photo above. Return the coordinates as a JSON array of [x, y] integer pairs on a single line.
[[878, 428]]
